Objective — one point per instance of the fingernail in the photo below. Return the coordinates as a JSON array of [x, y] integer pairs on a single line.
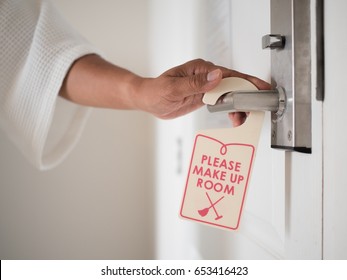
[[214, 75]]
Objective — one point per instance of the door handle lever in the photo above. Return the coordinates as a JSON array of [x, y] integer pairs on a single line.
[[245, 101]]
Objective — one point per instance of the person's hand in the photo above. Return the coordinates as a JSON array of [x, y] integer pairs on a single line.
[[92, 81], [179, 90]]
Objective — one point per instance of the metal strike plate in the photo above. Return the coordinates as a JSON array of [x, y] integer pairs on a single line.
[[291, 70]]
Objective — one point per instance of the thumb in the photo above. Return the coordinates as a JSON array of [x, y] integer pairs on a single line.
[[202, 82], [214, 75]]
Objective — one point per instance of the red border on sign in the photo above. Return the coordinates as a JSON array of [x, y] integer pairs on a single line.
[[246, 184]]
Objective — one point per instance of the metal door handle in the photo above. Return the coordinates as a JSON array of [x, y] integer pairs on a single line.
[[257, 100]]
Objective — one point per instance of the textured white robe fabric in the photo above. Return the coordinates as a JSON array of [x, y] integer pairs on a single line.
[[37, 48]]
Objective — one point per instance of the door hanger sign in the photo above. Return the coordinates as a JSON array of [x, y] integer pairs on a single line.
[[221, 166]]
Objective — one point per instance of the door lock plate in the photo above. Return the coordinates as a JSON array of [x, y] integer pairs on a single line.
[[291, 70]]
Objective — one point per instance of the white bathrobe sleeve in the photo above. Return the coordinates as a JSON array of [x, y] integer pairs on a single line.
[[37, 49]]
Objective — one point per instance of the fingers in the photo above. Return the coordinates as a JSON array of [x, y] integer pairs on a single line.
[[184, 86], [200, 83], [196, 84], [194, 77], [199, 76], [193, 67], [237, 118]]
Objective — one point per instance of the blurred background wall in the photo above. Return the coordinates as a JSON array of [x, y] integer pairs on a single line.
[[98, 204]]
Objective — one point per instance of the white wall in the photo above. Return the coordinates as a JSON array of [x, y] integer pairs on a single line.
[[93, 205]]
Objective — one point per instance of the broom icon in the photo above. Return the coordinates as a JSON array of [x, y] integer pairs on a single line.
[[204, 212]]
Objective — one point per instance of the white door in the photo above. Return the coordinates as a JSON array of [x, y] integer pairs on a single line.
[[284, 217], [335, 135], [283, 212]]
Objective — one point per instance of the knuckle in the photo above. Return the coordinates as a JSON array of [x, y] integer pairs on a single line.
[[198, 60], [195, 82]]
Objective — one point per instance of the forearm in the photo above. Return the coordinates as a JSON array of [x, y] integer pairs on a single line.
[[94, 82]]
